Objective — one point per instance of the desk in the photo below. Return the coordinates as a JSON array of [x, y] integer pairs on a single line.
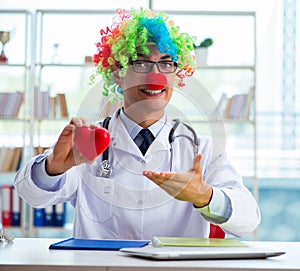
[[33, 254]]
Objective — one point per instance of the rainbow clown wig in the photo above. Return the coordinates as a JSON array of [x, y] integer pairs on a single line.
[[118, 45]]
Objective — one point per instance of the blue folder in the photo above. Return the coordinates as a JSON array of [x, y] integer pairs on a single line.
[[93, 244]]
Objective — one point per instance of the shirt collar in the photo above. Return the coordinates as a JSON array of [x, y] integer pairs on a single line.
[[133, 128]]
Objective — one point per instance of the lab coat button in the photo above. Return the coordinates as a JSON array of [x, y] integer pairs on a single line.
[[140, 202], [143, 162]]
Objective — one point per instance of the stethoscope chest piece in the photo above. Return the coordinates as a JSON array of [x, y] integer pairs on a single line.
[[105, 169]]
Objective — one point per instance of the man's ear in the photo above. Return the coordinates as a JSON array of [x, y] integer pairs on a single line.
[[115, 71]]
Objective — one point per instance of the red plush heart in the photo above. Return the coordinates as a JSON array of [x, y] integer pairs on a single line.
[[156, 81], [91, 141]]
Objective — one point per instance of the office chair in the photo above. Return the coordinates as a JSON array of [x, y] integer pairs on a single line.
[[216, 232]]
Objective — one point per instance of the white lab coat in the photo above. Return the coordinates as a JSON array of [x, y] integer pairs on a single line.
[[130, 206]]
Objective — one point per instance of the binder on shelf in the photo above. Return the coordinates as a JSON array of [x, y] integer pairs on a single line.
[[59, 215], [16, 208], [38, 217], [6, 212], [49, 216]]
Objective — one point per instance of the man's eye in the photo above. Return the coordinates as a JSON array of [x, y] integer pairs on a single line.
[[166, 64], [140, 64]]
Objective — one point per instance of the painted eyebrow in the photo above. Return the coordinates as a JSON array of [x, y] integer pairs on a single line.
[[147, 56]]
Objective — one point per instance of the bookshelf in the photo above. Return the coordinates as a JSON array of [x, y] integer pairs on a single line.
[[61, 82], [15, 74]]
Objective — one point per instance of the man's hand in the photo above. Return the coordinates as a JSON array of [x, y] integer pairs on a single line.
[[184, 186], [65, 155]]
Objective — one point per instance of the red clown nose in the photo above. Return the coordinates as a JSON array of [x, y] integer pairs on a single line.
[[156, 81]]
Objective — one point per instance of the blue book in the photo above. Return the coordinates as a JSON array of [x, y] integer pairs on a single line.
[[97, 244]]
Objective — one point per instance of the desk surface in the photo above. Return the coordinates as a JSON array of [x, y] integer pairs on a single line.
[[34, 254]]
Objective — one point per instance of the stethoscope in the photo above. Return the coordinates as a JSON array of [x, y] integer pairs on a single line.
[[105, 170], [152, 81]]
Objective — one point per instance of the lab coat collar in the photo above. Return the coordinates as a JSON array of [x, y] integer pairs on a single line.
[[121, 140], [134, 128]]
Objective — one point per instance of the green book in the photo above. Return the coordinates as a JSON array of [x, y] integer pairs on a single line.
[[158, 241]]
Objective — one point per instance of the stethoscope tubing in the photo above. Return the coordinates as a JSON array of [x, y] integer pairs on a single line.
[[107, 169]]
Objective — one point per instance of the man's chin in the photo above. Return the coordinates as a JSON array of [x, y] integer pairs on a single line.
[[147, 107]]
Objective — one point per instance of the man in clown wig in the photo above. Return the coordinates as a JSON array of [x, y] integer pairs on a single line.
[[157, 178]]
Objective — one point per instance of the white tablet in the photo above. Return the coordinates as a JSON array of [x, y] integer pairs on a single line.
[[200, 253]]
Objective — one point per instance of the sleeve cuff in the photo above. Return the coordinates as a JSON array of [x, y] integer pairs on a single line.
[[219, 208], [41, 178]]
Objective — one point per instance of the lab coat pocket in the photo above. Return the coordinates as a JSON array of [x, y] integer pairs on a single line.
[[97, 198]]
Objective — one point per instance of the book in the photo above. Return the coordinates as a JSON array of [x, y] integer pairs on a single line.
[[220, 110], [158, 241], [42, 103], [239, 106], [18, 100], [62, 105], [3, 160], [4, 102], [52, 113], [249, 100], [10, 158], [236, 107], [7, 158], [15, 165], [16, 208], [6, 211]]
